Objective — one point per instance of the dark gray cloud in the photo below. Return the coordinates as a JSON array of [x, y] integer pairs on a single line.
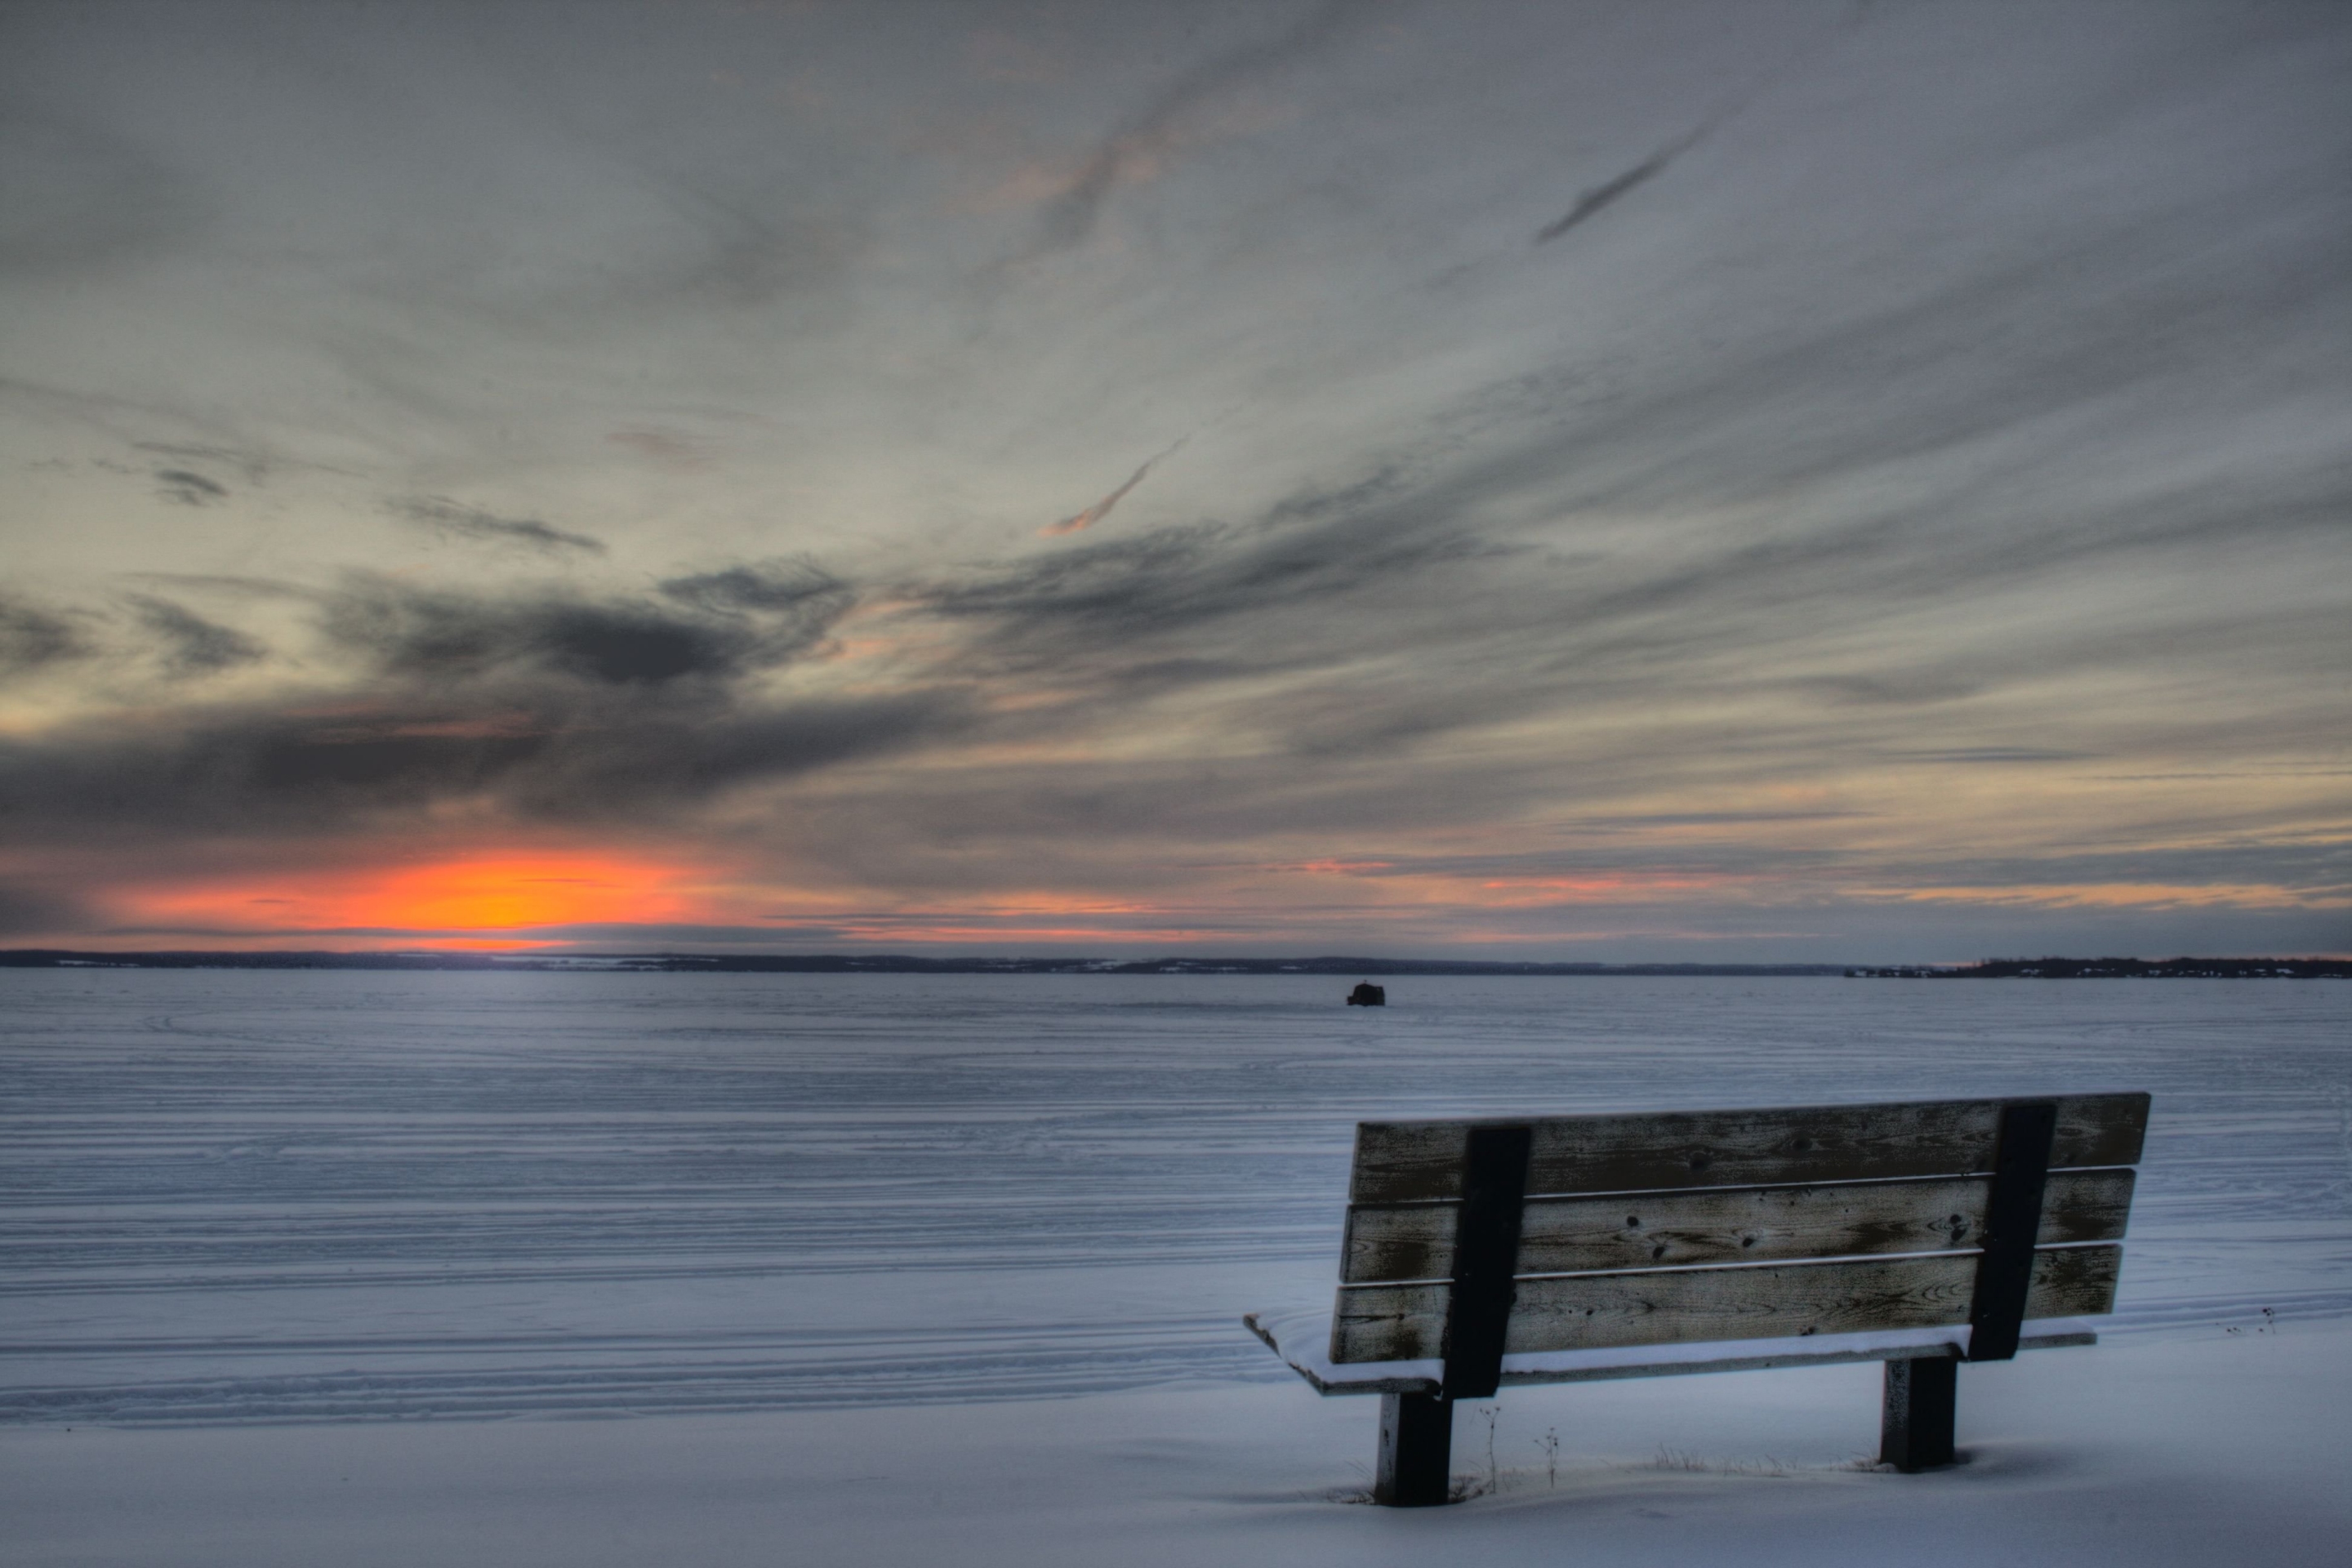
[[330, 767], [452, 520], [1590, 202], [31, 638], [715, 628], [189, 487], [545, 706], [189, 644], [802, 590], [413, 634], [254, 466], [1221, 598]]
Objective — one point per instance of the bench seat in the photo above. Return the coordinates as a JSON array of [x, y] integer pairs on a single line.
[[1302, 1339]]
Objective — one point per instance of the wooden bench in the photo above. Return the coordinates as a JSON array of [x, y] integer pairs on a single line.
[[1486, 1253]]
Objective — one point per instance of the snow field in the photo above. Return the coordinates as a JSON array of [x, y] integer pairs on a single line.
[[592, 1268]]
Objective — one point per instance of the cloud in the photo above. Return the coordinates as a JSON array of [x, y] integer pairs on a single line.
[[188, 488], [1134, 604], [540, 706], [419, 634], [31, 638], [305, 769], [713, 627], [795, 603], [1590, 203], [1171, 118], [192, 644], [232, 585], [1101, 508], [254, 465], [453, 520], [735, 589], [2010, 755], [1600, 196]]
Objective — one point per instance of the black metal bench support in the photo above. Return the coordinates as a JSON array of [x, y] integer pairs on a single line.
[[1915, 1424], [1486, 1259], [1416, 1450], [2021, 1171], [1417, 1429]]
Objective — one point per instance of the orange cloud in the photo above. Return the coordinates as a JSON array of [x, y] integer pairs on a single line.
[[1101, 508], [487, 894]]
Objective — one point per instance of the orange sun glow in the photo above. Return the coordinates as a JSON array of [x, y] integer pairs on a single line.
[[470, 901]]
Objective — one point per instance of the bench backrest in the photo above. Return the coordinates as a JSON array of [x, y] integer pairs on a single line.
[[1468, 1239]]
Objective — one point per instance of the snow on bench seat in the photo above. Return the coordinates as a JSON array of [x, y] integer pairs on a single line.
[[1302, 1339]]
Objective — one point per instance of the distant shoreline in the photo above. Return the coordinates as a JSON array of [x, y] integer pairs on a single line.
[[2117, 969], [902, 964]]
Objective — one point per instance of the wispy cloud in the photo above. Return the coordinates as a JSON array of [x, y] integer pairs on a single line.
[[1080, 522], [189, 487], [31, 638], [453, 520], [190, 644], [1590, 202], [254, 466], [1172, 117]]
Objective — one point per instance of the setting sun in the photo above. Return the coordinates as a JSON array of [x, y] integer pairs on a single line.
[[469, 896]]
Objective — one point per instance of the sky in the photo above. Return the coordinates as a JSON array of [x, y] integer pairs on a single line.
[[1739, 483]]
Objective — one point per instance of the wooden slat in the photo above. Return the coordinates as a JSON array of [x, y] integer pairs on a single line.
[[1408, 1162], [1733, 1225], [1659, 1307]]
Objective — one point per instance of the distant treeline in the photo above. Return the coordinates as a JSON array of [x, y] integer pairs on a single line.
[[858, 964], [2124, 969]]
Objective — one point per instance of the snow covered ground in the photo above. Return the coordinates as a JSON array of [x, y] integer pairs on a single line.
[[608, 1268]]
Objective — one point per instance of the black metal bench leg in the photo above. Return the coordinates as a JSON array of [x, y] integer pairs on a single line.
[[1915, 1426], [1416, 1450]]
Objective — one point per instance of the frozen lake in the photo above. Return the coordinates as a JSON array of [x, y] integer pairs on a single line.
[[237, 1198]]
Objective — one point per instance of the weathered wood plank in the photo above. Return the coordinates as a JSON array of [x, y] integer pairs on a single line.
[[1668, 1306], [1733, 1225], [1408, 1162]]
